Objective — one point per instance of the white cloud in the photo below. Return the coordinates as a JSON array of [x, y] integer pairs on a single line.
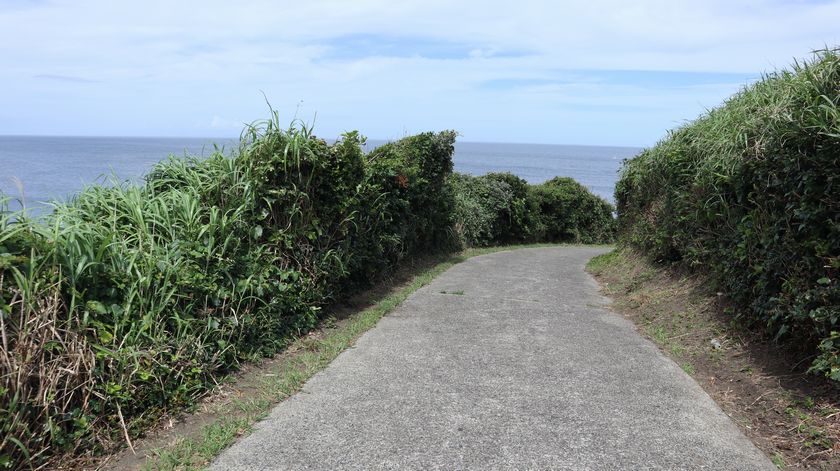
[[158, 65]]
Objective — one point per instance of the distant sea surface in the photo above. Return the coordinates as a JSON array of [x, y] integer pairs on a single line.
[[42, 169]]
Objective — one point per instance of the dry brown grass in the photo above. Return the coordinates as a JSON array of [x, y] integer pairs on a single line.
[[46, 369]]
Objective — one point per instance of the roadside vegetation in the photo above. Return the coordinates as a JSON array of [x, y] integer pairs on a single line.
[[791, 415], [245, 397], [501, 208], [749, 195], [729, 257], [130, 301]]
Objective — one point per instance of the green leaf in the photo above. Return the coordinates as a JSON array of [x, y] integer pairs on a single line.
[[21, 446], [824, 281], [105, 336], [97, 307]]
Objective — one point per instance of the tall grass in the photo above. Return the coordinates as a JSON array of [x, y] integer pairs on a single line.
[[749, 194], [131, 300], [128, 300]]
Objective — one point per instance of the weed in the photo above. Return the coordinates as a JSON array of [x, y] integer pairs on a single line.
[[659, 334], [599, 262], [683, 326]]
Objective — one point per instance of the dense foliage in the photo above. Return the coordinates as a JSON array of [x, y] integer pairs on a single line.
[[750, 193], [128, 301], [501, 208]]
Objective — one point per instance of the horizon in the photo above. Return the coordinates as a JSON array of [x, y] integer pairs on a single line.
[[367, 138], [604, 73]]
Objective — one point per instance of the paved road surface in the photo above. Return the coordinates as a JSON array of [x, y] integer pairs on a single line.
[[524, 370]]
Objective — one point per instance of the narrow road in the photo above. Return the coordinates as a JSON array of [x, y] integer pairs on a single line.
[[518, 365]]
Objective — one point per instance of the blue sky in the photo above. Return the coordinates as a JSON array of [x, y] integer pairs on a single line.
[[594, 72]]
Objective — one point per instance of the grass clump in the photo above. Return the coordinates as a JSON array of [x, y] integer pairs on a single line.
[[748, 193]]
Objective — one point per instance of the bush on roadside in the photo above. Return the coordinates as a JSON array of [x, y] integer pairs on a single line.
[[479, 205], [750, 193], [567, 211], [131, 300], [502, 208]]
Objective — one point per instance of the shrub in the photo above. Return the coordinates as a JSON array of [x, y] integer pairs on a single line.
[[479, 206], [130, 300], [413, 174], [502, 208], [566, 211], [749, 194], [514, 222]]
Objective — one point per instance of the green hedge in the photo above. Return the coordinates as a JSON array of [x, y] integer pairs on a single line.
[[129, 301], [750, 194], [501, 208]]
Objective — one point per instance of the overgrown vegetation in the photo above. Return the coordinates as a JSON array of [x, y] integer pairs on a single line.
[[750, 194], [129, 301], [309, 354], [501, 208], [313, 354]]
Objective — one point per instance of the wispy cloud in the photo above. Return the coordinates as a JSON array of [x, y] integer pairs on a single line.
[[637, 78], [366, 45], [64, 78], [601, 71], [360, 46]]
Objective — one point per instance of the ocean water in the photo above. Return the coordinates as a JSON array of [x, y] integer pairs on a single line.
[[42, 169]]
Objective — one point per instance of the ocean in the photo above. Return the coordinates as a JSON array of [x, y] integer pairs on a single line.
[[36, 170]]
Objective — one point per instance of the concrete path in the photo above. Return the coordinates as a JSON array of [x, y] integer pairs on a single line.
[[524, 370]]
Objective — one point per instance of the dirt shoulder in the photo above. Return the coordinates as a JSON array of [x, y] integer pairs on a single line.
[[792, 416]]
